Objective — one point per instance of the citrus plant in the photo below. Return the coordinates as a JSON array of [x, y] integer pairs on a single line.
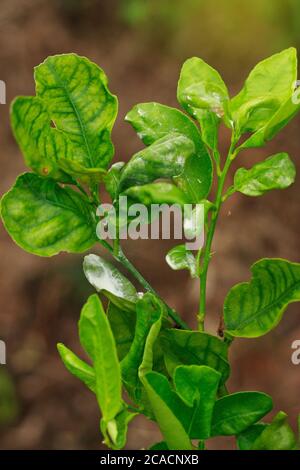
[[143, 357]]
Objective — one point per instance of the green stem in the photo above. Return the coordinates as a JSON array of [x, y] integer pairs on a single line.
[[132, 269], [121, 258], [210, 235]]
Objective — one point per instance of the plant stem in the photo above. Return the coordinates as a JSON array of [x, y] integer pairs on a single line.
[[132, 269], [121, 258], [207, 255]]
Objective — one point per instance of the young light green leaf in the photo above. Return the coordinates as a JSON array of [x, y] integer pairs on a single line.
[[246, 439], [270, 84], [194, 348], [38, 141], [115, 431], [202, 93], [180, 257], [45, 219], [77, 367], [112, 179], [122, 323], [253, 308], [197, 386], [149, 314], [276, 172], [97, 339], [108, 280], [80, 104], [277, 436], [169, 411], [157, 193], [280, 119], [235, 413]]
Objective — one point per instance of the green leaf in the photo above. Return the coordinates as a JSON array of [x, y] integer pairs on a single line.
[[80, 104], [97, 339], [122, 323], [149, 314], [45, 219], [194, 220], [159, 446], [277, 436], [203, 94], [115, 431], [196, 179], [171, 156], [181, 258], [270, 84], [157, 193], [168, 409], [280, 119], [38, 142], [235, 413], [246, 439], [108, 280], [112, 179], [276, 172], [153, 121], [194, 348], [197, 386], [165, 158], [254, 308], [77, 367]]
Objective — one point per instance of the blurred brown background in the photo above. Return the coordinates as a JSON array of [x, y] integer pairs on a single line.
[[141, 45]]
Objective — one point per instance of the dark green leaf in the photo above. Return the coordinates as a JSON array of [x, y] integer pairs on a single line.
[[197, 386], [181, 258], [97, 339], [169, 411], [165, 158], [270, 84], [77, 367], [235, 413], [246, 439], [171, 156], [202, 92], [276, 172], [149, 314], [253, 308], [152, 121], [81, 106], [194, 348], [277, 436], [122, 323], [107, 279], [157, 193], [44, 218]]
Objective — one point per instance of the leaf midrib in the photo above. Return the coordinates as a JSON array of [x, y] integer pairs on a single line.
[[81, 124]]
